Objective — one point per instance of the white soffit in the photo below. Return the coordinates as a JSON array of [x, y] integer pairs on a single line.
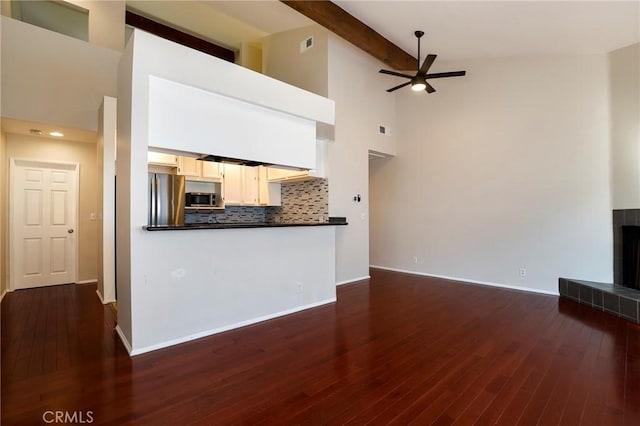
[[21, 127]]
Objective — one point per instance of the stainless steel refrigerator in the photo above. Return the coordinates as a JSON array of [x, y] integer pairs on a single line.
[[166, 199]]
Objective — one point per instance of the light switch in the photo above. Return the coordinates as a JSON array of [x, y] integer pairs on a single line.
[[93, 216]]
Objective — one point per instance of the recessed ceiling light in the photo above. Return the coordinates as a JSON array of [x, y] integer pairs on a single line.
[[56, 134], [35, 131]]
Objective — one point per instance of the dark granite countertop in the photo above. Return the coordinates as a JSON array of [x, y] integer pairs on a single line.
[[237, 225]]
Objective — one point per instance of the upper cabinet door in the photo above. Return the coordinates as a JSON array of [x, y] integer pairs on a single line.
[[188, 166], [162, 159], [232, 185], [269, 192], [250, 188], [211, 170]]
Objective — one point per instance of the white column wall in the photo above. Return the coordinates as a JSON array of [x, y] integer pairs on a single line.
[[624, 68], [362, 104]]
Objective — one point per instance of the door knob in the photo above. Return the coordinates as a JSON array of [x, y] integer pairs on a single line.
[[70, 231]]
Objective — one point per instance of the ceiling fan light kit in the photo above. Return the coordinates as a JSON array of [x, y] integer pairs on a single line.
[[419, 82]]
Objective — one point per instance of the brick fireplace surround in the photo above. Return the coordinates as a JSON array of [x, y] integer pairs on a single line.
[[612, 298]]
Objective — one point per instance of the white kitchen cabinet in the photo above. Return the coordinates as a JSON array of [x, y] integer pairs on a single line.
[[162, 159], [269, 192], [250, 186], [189, 167], [232, 186], [198, 170], [276, 174], [210, 170]]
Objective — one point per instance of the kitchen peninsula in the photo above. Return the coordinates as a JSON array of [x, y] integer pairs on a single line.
[[176, 286], [237, 225]]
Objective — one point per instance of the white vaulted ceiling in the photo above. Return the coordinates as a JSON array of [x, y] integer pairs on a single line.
[[473, 29], [481, 29]]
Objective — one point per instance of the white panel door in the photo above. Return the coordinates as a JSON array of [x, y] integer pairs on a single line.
[[43, 223]]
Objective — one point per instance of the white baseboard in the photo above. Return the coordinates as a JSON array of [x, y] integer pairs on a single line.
[[467, 281], [100, 297], [206, 333], [124, 340], [353, 280], [87, 281]]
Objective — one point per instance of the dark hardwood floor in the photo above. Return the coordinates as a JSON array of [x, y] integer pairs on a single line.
[[397, 349]]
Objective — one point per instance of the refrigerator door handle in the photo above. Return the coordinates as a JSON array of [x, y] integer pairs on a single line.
[[153, 201]]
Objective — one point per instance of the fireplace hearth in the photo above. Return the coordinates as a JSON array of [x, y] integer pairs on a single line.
[[622, 298]]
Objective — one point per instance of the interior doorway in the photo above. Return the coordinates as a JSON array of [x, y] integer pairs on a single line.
[[43, 217]]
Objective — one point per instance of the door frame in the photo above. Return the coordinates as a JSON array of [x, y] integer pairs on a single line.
[[15, 162]]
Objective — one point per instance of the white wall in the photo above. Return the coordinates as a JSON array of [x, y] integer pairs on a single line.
[[624, 66], [159, 305], [106, 22], [189, 284], [128, 120], [4, 205], [503, 169], [51, 78], [282, 58], [361, 105], [106, 156]]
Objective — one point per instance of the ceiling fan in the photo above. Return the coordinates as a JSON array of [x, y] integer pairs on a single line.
[[418, 82]]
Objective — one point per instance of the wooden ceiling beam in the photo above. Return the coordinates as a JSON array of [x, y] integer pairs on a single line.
[[178, 36], [340, 22]]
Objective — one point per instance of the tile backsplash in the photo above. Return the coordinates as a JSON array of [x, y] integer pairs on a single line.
[[302, 202], [232, 214]]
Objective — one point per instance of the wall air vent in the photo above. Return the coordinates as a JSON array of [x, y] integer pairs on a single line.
[[384, 130], [306, 44]]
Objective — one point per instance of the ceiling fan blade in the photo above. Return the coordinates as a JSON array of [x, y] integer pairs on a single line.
[[427, 63], [446, 74], [399, 86], [397, 74], [429, 88]]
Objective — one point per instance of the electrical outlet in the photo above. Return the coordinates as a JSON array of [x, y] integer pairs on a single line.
[[299, 288], [415, 259], [523, 272]]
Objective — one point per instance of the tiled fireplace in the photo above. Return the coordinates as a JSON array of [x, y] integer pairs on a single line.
[[626, 218], [614, 298]]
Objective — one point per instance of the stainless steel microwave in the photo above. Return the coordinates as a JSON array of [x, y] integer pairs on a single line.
[[200, 199]]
